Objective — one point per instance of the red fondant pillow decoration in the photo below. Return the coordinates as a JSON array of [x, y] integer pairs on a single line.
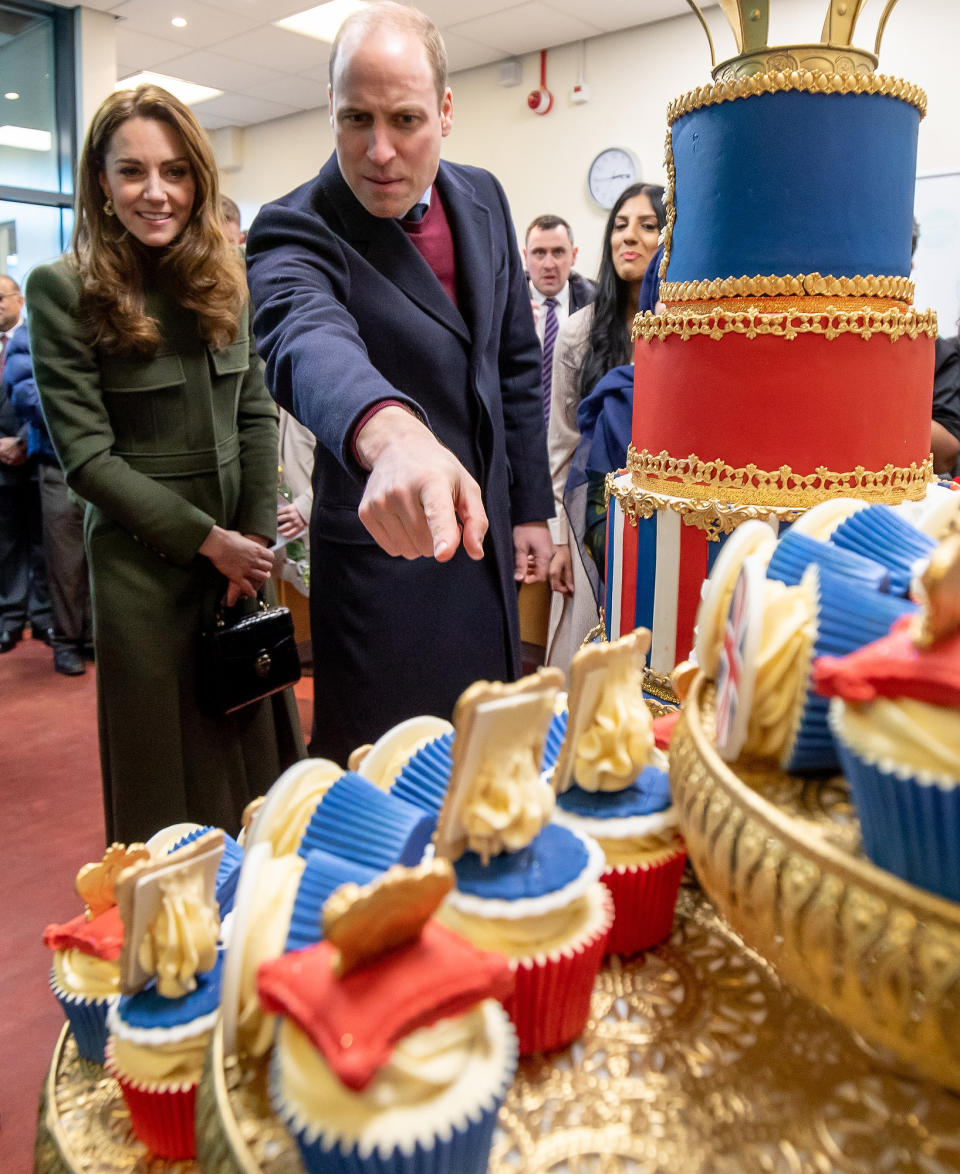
[[355, 1008], [102, 937]]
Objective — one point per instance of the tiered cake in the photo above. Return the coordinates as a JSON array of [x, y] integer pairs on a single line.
[[788, 365]]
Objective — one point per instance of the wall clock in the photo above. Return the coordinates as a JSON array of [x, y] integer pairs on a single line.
[[611, 171]]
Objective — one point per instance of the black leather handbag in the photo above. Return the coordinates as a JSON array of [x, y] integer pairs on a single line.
[[244, 658]]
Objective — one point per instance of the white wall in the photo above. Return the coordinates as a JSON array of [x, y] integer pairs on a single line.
[[542, 160]]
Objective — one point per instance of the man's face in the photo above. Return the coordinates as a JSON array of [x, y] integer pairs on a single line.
[[386, 121], [11, 303], [550, 257]]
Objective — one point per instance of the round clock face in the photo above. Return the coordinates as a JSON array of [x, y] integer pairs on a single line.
[[611, 171]]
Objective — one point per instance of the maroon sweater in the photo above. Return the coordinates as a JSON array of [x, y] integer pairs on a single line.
[[432, 239]]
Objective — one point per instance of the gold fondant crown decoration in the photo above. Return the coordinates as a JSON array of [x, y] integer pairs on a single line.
[[833, 53]]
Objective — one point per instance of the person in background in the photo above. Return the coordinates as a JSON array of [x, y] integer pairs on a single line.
[[68, 579], [590, 343], [155, 401], [23, 577], [232, 221], [945, 425], [556, 290], [393, 314]]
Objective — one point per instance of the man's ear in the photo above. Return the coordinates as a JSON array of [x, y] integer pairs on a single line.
[[446, 112]]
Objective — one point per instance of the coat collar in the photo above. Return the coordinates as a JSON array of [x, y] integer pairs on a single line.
[[385, 245]]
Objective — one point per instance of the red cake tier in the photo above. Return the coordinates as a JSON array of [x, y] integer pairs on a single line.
[[811, 391]]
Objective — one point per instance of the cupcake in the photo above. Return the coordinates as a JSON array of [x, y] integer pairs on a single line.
[[170, 974], [228, 874], [880, 533], [386, 758], [357, 821], [282, 816], [261, 922], [525, 887], [896, 717], [393, 1054], [85, 975], [766, 705], [611, 783]]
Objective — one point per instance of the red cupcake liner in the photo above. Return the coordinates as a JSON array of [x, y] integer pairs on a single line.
[[161, 1117], [550, 1003], [644, 898]]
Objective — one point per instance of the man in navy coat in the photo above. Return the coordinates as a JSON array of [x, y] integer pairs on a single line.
[[394, 319]]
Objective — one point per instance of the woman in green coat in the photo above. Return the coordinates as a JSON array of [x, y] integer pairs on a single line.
[[155, 401]]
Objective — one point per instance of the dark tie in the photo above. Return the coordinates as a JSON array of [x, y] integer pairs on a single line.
[[416, 213], [3, 354], [550, 327]]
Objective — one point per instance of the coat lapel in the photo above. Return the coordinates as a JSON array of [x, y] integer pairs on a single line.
[[384, 244], [473, 242]]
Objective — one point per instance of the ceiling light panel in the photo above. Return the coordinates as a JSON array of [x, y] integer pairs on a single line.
[[189, 93], [321, 22]]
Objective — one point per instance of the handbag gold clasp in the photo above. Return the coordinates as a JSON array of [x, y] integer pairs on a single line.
[[261, 666]]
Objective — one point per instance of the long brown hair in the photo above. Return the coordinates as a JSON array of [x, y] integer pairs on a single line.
[[205, 269]]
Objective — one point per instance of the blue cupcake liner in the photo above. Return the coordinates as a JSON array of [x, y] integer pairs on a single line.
[[88, 1021], [795, 552], [423, 781], [465, 1150], [357, 821], [911, 829], [648, 795], [556, 732], [879, 533], [849, 615], [322, 875], [228, 871]]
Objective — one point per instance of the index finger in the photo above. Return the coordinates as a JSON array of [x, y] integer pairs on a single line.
[[441, 518], [469, 506]]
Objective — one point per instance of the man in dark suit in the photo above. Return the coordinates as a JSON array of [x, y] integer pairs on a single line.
[[556, 289], [393, 316], [23, 576]]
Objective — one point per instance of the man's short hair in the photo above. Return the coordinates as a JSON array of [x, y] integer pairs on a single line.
[[403, 19], [546, 222], [230, 210], [7, 277]]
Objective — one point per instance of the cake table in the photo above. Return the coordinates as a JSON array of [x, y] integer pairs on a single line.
[[696, 1059]]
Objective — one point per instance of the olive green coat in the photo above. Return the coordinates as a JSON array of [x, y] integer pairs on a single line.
[[161, 449]]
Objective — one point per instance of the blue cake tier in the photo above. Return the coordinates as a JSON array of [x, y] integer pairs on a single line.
[[794, 183]]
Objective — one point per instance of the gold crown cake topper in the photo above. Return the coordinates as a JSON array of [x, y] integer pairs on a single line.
[[834, 53]]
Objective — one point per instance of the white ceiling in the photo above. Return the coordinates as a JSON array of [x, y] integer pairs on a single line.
[[266, 72]]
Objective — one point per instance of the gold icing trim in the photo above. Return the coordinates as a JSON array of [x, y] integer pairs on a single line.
[[796, 80], [899, 289], [831, 322], [714, 518], [751, 487]]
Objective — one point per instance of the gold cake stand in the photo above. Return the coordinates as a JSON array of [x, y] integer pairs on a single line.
[[780, 859], [696, 1060]]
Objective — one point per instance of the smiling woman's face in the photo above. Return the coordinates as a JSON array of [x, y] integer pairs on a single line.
[[147, 173], [634, 238]]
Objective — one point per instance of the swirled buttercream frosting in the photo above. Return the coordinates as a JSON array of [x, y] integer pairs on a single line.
[[182, 939]]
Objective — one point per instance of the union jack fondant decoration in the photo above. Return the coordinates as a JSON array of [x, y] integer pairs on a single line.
[[737, 671]]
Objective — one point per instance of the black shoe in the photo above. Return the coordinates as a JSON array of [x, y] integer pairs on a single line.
[[10, 639], [45, 634], [68, 661]]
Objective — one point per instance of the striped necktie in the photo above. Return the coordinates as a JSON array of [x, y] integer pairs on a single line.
[[550, 327], [3, 353]]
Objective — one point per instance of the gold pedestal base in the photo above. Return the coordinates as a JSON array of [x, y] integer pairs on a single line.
[[779, 857]]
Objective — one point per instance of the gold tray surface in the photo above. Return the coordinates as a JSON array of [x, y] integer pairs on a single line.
[[780, 858], [696, 1059]]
